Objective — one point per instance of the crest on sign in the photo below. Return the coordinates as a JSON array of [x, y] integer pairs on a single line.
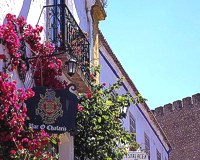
[[49, 107]]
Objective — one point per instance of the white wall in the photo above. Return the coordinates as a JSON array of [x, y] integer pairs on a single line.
[[31, 10], [109, 73]]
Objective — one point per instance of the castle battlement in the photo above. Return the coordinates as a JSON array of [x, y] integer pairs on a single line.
[[180, 121], [188, 102]]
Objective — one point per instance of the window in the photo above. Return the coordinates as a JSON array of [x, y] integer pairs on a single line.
[[132, 123], [55, 27], [147, 144], [54, 2], [158, 155], [132, 128]]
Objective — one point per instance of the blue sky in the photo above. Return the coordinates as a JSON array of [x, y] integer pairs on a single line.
[[158, 44]]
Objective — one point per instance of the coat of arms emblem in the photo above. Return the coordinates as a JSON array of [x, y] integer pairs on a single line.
[[49, 107]]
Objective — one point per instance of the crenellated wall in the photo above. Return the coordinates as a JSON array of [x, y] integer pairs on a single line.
[[188, 102], [180, 121]]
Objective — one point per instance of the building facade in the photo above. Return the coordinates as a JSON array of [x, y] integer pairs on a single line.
[[139, 119], [72, 26], [180, 121]]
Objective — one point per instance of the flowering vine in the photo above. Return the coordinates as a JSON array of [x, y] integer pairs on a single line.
[[101, 134], [47, 67], [16, 140]]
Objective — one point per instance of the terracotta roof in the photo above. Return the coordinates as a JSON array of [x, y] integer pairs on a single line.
[[151, 115]]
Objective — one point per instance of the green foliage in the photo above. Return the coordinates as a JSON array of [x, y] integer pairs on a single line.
[[101, 135]]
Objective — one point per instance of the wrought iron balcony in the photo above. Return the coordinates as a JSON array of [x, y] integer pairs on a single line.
[[103, 3], [63, 31]]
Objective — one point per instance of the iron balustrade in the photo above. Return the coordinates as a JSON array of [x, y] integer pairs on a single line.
[[64, 32], [103, 3]]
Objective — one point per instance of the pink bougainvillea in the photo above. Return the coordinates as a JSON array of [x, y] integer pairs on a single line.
[[47, 68], [16, 140]]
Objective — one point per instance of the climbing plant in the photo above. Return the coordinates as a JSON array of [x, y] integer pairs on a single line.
[[17, 141], [101, 134]]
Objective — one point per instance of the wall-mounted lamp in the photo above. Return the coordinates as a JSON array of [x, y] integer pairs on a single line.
[[124, 111], [71, 65]]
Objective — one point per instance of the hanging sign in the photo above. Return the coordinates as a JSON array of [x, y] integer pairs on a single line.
[[52, 110], [133, 155]]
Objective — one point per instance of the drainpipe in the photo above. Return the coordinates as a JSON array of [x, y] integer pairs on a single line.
[[91, 33], [90, 28], [168, 152]]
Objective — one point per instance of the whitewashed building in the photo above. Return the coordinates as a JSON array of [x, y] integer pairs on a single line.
[[139, 119], [64, 22]]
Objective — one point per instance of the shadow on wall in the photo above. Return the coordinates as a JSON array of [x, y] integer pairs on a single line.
[[81, 11], [25, 9]]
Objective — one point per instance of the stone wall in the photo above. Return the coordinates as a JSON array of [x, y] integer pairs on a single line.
[[181, 123]]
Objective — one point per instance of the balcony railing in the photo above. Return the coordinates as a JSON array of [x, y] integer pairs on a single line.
[[63, 31], [103, 3]]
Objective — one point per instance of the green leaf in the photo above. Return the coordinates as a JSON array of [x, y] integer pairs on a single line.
[[120, 99], [105, 117], [109, 103], [53, 141], [99, 119]]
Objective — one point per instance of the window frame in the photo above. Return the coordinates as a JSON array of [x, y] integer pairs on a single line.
[[159, 156], [147, 144], [132, 123]]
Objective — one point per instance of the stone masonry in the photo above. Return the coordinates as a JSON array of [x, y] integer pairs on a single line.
[[181, 123]]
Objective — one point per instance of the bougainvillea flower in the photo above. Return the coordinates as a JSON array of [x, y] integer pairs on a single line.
[[80, 108], [2, 56]]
